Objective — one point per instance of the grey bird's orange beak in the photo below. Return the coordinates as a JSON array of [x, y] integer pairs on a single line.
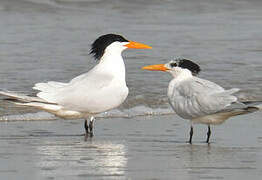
[[155, 67]]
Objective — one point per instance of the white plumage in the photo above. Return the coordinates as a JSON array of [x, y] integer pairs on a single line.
[[101, 89]]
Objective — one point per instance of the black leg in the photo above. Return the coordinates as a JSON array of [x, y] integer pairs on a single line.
[[91, 127], [86, 126], [208, 134], [191, 135], [87, 129]]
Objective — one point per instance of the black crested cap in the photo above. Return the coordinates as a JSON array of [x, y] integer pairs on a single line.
[[99, 45], [188, 64]]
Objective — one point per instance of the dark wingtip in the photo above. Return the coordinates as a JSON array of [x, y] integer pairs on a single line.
[[252, 109]]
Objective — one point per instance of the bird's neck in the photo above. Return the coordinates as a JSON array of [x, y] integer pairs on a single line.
[[176, 82], [178, 79], [182, 75], [113, 63]]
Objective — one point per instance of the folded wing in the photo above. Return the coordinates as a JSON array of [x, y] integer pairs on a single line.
[[197, 97]]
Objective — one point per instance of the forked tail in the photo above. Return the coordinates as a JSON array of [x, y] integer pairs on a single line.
[[32, 101]]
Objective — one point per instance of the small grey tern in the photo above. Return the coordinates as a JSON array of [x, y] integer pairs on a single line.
[[200, 100]]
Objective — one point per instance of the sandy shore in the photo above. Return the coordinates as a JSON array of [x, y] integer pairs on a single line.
[[152, 147]]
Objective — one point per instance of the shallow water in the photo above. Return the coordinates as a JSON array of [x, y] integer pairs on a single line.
[[149, 147], [50, 40]]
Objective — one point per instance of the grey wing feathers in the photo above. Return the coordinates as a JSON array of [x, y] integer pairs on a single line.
[[213, 102], [213, 98], [205, 85], [197, 97]]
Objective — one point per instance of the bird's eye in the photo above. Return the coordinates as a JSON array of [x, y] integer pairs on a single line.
[[173, 64]]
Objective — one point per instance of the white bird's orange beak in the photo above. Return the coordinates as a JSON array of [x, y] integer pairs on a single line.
[[137, 45], [155, 67]]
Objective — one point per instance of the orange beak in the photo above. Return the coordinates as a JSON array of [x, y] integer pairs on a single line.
[[156, 67], [136, 45]]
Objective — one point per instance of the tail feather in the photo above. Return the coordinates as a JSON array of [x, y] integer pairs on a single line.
[[240, 109], [13, 96], [40, 105], [243, 111], [55, 109], [25, 100]]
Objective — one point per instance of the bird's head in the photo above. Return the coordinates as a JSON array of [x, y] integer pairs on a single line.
[[176, 67], [113, 43]]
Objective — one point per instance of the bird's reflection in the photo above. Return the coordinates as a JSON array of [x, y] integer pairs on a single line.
[[205, 161], [90, 159]]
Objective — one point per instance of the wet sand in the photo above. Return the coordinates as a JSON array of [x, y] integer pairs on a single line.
[[147, 147]]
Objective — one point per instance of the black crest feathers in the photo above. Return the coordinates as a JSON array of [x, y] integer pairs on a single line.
[[99, 45], [188, 64]]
